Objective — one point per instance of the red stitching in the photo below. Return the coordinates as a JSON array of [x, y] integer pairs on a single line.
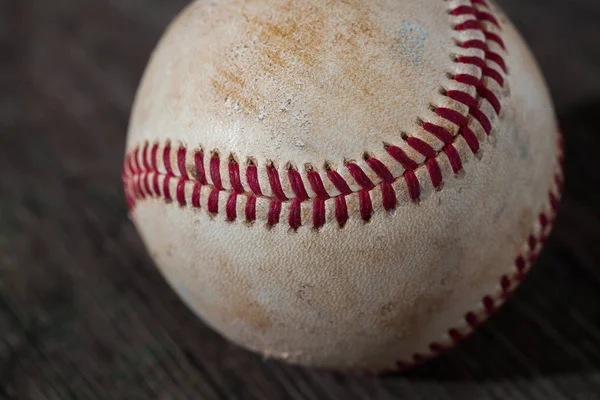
[[366, 206], [297, 185], [143, 177], [252, 176], [215, 171], [275, 182], [339, 182], [196, 195], [341, 210], [181, 163], [251, 209], [274, 212], [399, 155], [199, 164], [453, 157], [295, 220], [360, 177], [230, 208], [494, 37], [317, 185], [234, 177], [213, 201], [318, 212]]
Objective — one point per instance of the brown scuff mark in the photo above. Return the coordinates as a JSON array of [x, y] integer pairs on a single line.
[[296, 41], [239, 302]]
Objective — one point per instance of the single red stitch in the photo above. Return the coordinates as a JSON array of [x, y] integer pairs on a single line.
[[146, 183], [136, 160], [230, 207], [470, 138], [252, 177], [341, 210], [543, 220], [468, 80], [339, 182], [436, 347], [492, 37], [412, 183], [497, 58], [439, 132], [215, 171], [554, 203], [520, 263], [470, 24], [196, 195], [365, 204], [421, 147], [455, 335], [234, 177], [453, 116], [167, 189], [136, 188], [274, 212], [434, 172], [490, 97], [275, 182], [318, 212], [199, 163], [453, 158], [145, 157], [155, 185], [399, 155], [251, 209], [167, 160], [181, 153], [297, 185], [488, 304], [295, 217], [495, 75], [213, 201], [380, 169], [472, 319], [475, 44], [477, 61], [317, 185], [483, 120], [485, 16], [463, 10], [359, 176], [180, 192], [532, 242], [388, 197], [154, 157], [462, 97], [505, 283]]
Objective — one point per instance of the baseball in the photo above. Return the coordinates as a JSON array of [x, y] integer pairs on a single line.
[[352, 184]]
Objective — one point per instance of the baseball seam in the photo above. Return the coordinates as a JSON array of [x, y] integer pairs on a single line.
[[469, 105], [508, 282]]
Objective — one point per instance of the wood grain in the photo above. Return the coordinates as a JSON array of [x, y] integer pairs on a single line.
[[85, 315]]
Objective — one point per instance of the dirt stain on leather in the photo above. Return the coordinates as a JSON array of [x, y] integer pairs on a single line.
[[297, 49], [239, 301]]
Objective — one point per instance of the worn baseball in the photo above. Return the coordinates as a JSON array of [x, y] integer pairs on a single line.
[[350, 184]]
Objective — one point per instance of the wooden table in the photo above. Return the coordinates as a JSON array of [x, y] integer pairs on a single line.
[[85, 315]]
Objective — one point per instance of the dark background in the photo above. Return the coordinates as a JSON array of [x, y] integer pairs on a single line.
[[85, 315]]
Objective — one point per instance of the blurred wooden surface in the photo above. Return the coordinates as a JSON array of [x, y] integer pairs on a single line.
[[85, 315]]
